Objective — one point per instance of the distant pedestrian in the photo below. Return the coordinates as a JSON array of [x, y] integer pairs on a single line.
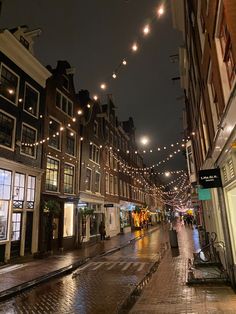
[[102, 230]]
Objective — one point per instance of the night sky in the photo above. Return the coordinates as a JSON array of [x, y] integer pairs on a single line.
[[94, 36]]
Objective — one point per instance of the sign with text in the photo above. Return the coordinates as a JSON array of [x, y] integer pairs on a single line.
[[210, 178], [108, 205]]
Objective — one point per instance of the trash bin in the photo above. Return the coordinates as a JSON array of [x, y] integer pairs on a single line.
[[173, 238]]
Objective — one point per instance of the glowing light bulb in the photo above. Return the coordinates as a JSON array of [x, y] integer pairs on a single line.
[[160, 11], [10, 91], [114, 75], [167, 173], [146, 30], [95, 97], [144, 140], [88, 106], [80, 112], [103, 86], [134, 47], [124, 62]]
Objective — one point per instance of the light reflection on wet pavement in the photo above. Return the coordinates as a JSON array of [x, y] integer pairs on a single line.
[[101, 286]]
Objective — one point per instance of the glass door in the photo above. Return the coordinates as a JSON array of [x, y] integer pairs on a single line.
[[16, 234]]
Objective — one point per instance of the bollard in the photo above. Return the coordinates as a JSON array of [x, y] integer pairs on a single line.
[[173, 238]]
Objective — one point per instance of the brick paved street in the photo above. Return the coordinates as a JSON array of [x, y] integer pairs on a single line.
[[167, 291], [100, 286]]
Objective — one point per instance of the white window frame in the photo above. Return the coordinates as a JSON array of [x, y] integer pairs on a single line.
[[37, 110], [59, 174], [68, 100], [99, 184], [12, 148], [90, 187], [18, 84], [94, 157], [73, 187], [36, 136]]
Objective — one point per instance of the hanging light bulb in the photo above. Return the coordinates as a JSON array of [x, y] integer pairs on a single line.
[[103, 86], [114, 75], [134, 47], [160, 11], [146, 30], [124, 62], [95, 97]]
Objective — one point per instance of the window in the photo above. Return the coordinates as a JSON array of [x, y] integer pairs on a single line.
[[28, 138], [111, 185], [88, 179], [7, 129], [204, 126], [5, 196], [31, 100], [65, 82], [16, 226], [107, 182], [95, 128], [19, 190], [9, 84], [54, 134], [226, 48], [68, 220], [115, 185], [68, 179], [213, 97], [97, 182], [30, 193], [121, 188], [52, 175], [94, 153], [64, 104], [70, 142]]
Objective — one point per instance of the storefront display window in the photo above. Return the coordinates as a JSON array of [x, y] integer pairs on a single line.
[[93, 224], [125, 220], [5, 196], [19, 189], [68, 220]]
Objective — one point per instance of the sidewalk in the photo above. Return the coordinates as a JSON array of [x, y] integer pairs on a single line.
[[167, 291], [17, 277]]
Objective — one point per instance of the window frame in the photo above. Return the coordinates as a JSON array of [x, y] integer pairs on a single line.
[[36, 136], [99, 182], [58, 175], [2, 64], [59, 136], [74, 136], [73, 181], [38, 101], [67, 100], [12, 148], [90, 187]]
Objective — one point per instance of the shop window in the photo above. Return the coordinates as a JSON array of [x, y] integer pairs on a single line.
[[7, 129], [31, 100], [19, 190], [68, 220], [16, 227], [88, 179], [9, 84], [69, 179], [54, 134], [5, 196], [30, 193], [52, 175], [226, 48], [70, 142], [97, 182], [94, 224], [28, 138]]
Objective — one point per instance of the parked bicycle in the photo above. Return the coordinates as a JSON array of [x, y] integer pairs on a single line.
[[209, 252]]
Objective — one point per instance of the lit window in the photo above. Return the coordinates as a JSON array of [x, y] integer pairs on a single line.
[[30, 198], [19, 190], [68, 220], [16, 226], [52, 175], [7, 126], [9, 84], [5, 197], [68, 179]]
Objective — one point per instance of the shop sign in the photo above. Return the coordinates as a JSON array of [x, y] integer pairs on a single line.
[[204, 194], [210, 178], [108, 205], [82, 205]]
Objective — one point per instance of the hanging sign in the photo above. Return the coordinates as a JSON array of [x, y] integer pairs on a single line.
[[210, 178], [204, 194], [108, 205]]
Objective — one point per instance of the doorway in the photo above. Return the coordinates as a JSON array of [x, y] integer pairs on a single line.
[[28, 232], [16, 234]]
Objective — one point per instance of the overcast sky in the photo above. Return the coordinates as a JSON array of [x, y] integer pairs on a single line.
[[94, 36]]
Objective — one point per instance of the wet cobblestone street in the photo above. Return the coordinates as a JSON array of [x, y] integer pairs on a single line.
[[100, 286]]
